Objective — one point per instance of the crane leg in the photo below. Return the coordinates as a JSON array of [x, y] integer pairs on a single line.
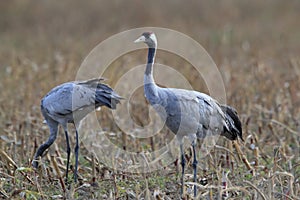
[[195, 167], [68, 154], [182, 165], [76, 156], [46, 145]]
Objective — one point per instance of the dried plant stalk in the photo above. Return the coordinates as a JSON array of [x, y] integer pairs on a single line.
[[58, 173], [93, 168], [260, 192], [256, 156], [231, 160], [243, 156], [291, 182], [9, 160]]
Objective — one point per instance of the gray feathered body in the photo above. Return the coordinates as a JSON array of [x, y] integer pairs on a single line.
[[70, 103], [74, 100], [193, 113]]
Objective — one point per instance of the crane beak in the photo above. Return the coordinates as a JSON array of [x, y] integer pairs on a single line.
[[140, 39]]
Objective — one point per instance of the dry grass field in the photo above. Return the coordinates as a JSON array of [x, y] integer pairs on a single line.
[[255, 44]]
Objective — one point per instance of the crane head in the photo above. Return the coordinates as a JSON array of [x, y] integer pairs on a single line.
[[149, 38]]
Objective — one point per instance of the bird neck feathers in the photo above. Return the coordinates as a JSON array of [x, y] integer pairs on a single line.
[[151, 55], [149, 82], [149, 67]]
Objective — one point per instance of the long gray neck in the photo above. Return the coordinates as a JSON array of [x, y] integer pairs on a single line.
[[150, 88], [148, 77]]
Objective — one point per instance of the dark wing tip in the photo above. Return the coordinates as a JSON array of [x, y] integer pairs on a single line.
[[105, 95], [235, 128]]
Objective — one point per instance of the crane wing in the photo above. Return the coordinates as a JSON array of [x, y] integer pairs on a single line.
[[196, 110], [67, 98], [80, 97]]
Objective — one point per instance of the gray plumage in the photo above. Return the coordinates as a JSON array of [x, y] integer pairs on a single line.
[[70, 103], [186, 112]]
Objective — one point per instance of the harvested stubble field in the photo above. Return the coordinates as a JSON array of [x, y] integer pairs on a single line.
[[256, 46]]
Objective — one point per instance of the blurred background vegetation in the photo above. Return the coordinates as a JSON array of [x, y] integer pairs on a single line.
[[255, 44]]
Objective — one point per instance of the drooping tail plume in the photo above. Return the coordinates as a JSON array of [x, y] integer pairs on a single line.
[[106, 96], [234, 124]]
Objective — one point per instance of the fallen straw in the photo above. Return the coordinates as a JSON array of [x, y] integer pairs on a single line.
[[242, 155]]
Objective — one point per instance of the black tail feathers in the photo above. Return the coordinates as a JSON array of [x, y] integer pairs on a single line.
[[106, 96], [234, 124]]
